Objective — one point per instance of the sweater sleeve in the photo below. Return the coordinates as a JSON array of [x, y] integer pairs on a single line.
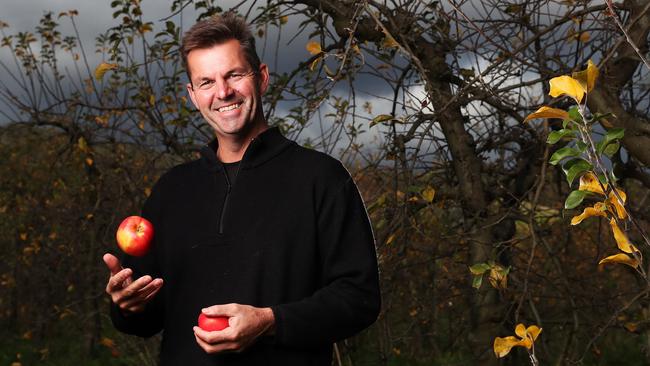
[[349, 298], [150, 321]]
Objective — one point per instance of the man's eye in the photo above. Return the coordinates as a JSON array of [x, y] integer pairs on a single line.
[[205, 84]]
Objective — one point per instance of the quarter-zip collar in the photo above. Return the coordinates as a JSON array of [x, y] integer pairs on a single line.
[[264, 147]]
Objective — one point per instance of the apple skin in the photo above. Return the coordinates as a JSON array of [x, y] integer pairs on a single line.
[[134, 236], [212, 323]]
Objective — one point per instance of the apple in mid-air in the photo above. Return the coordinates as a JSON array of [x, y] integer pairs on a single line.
[[134, 235], [213, 323]]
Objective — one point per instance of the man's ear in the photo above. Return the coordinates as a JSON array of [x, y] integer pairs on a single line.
[[190, 91], [263, 78]]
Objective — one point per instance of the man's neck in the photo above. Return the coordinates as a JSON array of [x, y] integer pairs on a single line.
[[232, 147]]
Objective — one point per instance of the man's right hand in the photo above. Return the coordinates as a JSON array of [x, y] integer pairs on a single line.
[[130, 296]]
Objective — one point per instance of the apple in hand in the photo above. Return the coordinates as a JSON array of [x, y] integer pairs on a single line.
[[212, 323], [134, 235]]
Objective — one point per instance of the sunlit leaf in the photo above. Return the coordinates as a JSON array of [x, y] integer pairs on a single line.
[[389, 41], [587, 77], [548, 112], [477, 281], [313, 47], [498, 276], [618, 207], [428, 194], [621, 258], [479, 268], [622, 241], [102, 69], [563, 153], [574, 168], [381, 118], [574, 199], [589, 182], [566, 85], [556, 136], [502, 346], [588, 212]]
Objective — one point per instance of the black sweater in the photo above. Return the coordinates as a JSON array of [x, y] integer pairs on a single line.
[[292, 234]]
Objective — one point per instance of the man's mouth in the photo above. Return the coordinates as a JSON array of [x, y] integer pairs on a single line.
[[229, 107]]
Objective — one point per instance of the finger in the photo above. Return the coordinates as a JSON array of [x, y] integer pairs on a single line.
[[151, 288], [221, 310], [219, 347], [116, 282], [136, 286], [112, 263], [215, 337]]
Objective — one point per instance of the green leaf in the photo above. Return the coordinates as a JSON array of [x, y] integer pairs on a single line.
[[582, 147], [563, 153], [574, 168], [575, 198], [477, 282], [598, 116], [479, 268], [381, 118], [556, 136], [574, 113], [613, 134], [612, 148]]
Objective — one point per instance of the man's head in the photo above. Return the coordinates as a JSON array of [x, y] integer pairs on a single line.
[[216, 30], [227, 79]]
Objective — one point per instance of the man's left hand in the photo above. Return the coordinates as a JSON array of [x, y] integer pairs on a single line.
[[246, 323]]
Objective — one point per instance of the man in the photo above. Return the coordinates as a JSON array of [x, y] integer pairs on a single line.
[[259, 229]]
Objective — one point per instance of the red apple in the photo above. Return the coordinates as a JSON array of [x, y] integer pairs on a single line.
[[134, 235], [213, 323]]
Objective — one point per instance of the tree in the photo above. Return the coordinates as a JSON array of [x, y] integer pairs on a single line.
[[452, 174]]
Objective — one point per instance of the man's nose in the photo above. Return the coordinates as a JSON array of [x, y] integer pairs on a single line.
[[224, 91]]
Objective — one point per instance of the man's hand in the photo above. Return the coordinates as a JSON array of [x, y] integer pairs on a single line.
[[246, 324], [130, 296]]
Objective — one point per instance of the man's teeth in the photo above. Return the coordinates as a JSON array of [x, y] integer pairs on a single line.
[[229, 107]]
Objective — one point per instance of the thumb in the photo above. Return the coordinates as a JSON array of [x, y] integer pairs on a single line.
[[112, 263]]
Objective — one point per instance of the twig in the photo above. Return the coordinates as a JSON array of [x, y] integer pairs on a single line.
[[614, 16]]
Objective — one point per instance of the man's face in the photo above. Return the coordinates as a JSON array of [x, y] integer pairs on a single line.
[[225, 89]]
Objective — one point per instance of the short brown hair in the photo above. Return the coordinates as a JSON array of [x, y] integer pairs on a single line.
[[218, 29]]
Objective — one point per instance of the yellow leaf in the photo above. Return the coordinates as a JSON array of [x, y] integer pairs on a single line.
[[102, 68], [107, 342], [588, 212], [83, 145], [587, 77], [89, 161], [428, 194], [566, 85], [389, 42], [533, 332], [520, 330], [145, 28], [502, 346], [23, 236], [284, 19], [390, 239], [589, 182], [548, 112], [498, 277], [613, 200], [313, 47], [620, 258], [621, 239], [152, 100]]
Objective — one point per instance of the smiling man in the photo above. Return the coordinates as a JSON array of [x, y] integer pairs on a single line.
[[259, 229]]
